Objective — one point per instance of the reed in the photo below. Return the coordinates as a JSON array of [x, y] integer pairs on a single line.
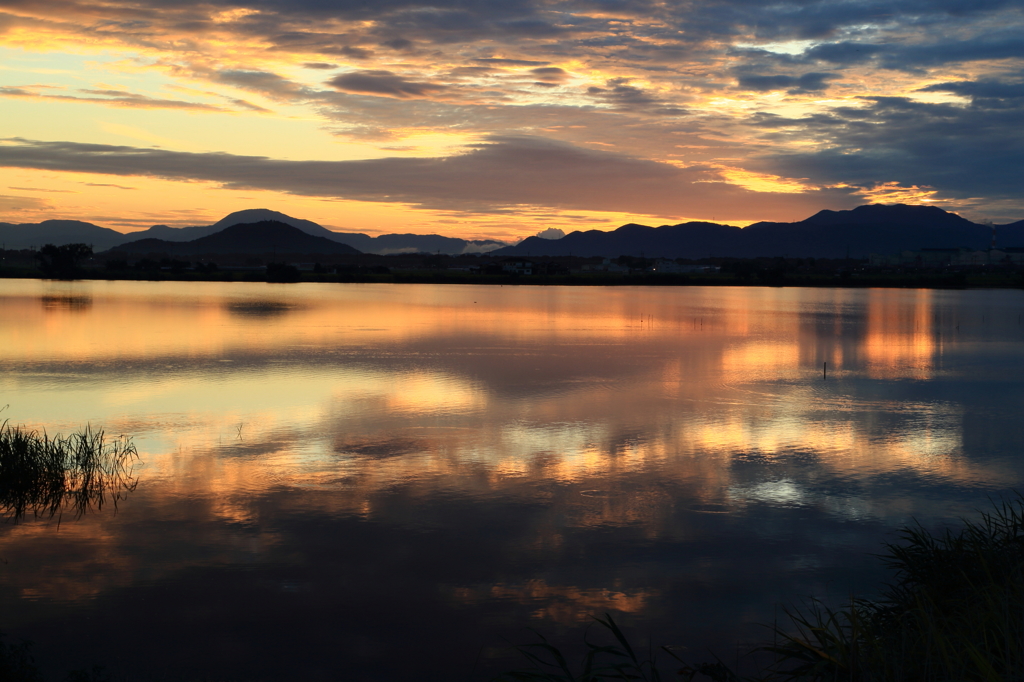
[[44, 476], [955, 611]]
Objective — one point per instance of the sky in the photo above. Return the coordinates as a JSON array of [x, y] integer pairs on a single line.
[[488, 119]]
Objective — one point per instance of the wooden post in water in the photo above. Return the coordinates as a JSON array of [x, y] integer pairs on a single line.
[[824, 370]]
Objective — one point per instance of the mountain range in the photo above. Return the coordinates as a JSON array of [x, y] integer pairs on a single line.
[[265, 236], [855, 233], [35, 235]]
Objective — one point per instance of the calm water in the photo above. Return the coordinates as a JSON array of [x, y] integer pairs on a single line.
[[391, 482]]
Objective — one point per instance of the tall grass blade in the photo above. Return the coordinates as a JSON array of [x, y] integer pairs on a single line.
[[45, 476]]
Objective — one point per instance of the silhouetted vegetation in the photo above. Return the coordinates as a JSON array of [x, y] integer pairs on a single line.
[[61, 262], [282, 272], [542, 270], [17, 663], [955, 611], [44, 476]]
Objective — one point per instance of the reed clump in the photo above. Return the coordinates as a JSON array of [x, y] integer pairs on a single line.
[[953, 612], [44, 476]]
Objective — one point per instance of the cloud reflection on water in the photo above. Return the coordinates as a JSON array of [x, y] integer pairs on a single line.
[[569, 450]]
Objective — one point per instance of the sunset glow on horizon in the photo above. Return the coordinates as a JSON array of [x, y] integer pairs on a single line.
[[501, 120]]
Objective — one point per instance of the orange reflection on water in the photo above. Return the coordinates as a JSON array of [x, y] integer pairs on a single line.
[[564, 604], [901, 336], [487, 388]]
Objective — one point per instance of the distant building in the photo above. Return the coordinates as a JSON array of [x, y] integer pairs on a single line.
[[607, 265], [523, 267], [962, 257], [665, 267]]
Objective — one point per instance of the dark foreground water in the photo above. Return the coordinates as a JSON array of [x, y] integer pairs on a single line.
[[392, 482]]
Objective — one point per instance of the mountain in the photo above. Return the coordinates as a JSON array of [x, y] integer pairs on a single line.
[[864, 230], [856, 233], [417, 243], [263, 237], [24, 236], [35, 235], [667, 241], [251, 215]]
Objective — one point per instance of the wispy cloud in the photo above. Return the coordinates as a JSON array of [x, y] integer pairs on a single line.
[[108, 97], [384, 84], [502, 174]]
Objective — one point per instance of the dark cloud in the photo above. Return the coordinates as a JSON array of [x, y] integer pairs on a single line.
[[509, 62], [504, 174], [937, 51], [397, 43], [384, 84], [263, 82], [625, 97], [242, 104], [355, 52], [809, 82], [941, 52], [980, 89], [973, 151], [319, 65], [550, 74]]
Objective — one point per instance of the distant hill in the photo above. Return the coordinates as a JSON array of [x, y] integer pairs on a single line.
[[856, 233], [265, 236], [827, 234], [35, 235]]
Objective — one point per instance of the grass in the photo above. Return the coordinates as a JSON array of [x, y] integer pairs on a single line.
[[953, 612], [46, 476]]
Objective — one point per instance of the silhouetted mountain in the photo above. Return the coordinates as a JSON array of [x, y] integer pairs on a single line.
[[266, 236], [388, 243], [417, 243], [688, 240], [170, 234], [57, 232], [827, 234]]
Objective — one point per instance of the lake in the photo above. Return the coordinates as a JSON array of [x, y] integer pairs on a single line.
[[393, 482]]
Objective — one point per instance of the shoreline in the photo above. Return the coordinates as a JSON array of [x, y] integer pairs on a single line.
[[848, 280]]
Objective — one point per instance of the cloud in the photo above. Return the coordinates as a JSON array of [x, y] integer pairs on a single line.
[[383, 84], [116, 98], [502, 175], [243, 104], [844, 52], [931, 52], [106, 184], [984, 89], [964, 152], [16, 204], [550, 233], [268, 84], [809, 82], [625, 97], [509, 62], [550, 74], [670, 82]]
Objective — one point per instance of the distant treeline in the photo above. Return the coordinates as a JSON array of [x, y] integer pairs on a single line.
[[76, 261]]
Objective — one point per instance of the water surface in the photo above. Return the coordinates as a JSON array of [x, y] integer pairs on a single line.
[[390, 482]]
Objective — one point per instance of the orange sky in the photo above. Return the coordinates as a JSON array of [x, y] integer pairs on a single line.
[[502, 121]]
